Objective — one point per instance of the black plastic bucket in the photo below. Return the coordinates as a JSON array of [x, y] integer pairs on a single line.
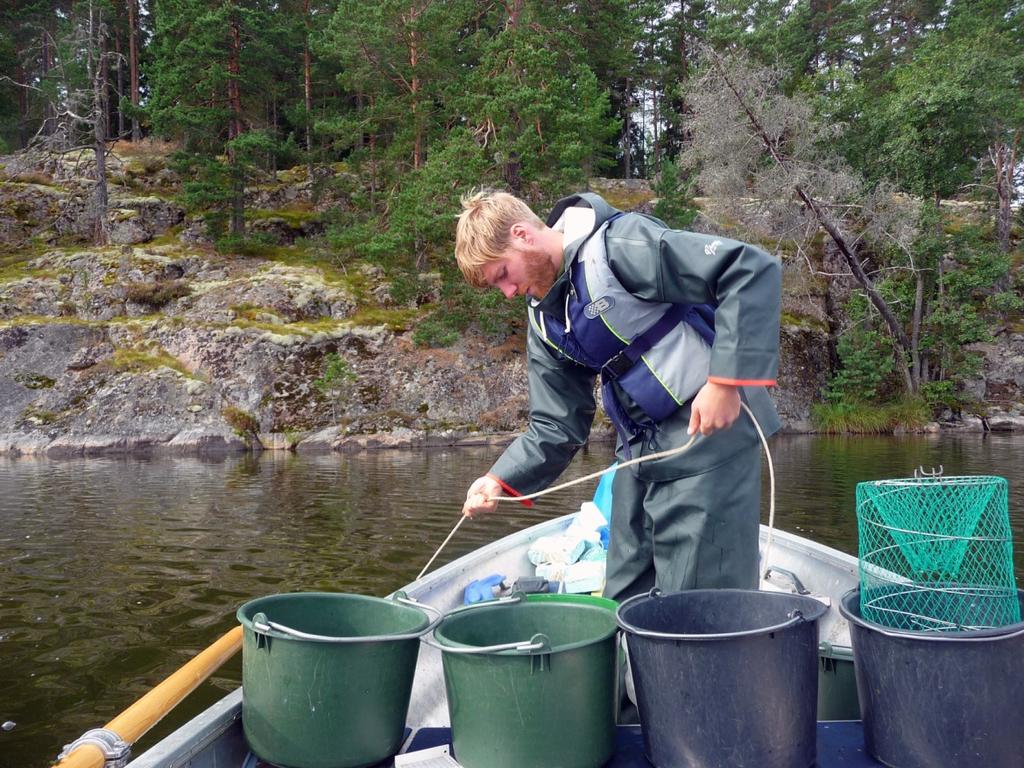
[[934, 699], [326, 677], [725, 678]]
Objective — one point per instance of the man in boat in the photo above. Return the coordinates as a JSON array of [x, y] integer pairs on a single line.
[[681, 327]]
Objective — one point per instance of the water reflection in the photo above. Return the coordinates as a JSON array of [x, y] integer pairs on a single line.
[[115, 572]]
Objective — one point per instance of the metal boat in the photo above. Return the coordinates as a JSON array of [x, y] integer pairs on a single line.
[[214, 738]]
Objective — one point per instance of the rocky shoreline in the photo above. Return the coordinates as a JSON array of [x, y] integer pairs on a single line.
[[212, 440], [159, 345], [153, 385]]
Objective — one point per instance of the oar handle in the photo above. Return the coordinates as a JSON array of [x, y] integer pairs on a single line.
[[135, 721]]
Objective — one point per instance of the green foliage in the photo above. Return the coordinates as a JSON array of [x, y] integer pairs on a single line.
[[8, 91], [933, 120], [1005, 303], [849, 417], [337, 371], [257, 245], [421, 217], [404, 288], [910, 412], [508, 104], [336, 381], [967, 292], [675, 204], [190, 69], [208, 189], [497, 317], [926, 119], [866, 367], [773, 32], [420, 221], [215, 60], [250, 150], [242, 422], [870, 418], [423, 102], [942, 394], [543, 113], [462, 308], [438, 330], [973, 276]]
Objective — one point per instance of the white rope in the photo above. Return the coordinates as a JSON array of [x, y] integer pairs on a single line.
[[612, 468], [443, 543], [771, 495], [631, 462]]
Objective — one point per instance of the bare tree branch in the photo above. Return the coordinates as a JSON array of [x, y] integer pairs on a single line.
[[740, 119]]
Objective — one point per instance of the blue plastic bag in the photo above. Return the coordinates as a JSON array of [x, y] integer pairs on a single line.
[[603, 494]]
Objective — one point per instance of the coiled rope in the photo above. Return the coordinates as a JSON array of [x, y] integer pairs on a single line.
[[631, 462]]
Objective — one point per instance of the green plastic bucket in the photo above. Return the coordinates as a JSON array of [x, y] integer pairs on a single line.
[[326, 677], [554, 597], [530, 683]]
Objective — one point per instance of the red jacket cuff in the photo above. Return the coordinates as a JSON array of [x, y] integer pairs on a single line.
[[740, 382], [510, 490]]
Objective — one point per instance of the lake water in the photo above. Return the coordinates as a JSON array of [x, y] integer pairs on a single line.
[[114, 572]]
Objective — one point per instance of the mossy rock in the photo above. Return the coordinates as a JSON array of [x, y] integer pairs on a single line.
[[31, 380], [141, 361], [793, 320], [295, 216], [39, 416], [294, 175], [624, 194], [118, 215]]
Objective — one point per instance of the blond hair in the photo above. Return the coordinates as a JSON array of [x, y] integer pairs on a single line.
[[483, 232]]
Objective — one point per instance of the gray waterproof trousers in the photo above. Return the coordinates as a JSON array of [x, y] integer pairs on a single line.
[[690, 533]]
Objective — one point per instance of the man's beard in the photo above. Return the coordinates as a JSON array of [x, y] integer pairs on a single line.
[[540, 273]]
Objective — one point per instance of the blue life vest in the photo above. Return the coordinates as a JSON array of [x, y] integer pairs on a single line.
[[657, 353]]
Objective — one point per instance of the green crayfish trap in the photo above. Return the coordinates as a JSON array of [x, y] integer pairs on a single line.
[[936, 553]]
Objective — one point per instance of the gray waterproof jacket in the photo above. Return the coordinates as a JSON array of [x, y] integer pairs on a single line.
[[658, 264]]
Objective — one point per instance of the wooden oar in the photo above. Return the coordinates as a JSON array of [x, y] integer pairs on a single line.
[[135, 721]]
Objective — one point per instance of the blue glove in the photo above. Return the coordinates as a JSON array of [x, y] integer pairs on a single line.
[[482, 589]]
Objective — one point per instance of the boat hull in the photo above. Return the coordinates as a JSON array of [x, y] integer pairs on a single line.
[[795, 564]]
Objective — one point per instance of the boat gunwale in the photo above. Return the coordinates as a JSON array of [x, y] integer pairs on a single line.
[[179, 748]]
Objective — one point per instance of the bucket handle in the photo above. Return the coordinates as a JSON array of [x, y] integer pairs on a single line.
[[796, 616], [514, 598], [538, 642], [262, 625], [797, 584], [938, 637]]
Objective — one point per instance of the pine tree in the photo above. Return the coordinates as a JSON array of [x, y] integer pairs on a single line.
[[12, 97], [210, 77], [133, 33], [395, 57], [533, 103], [30, 77], [680, 33]]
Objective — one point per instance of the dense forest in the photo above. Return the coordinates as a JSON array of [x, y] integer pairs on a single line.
[[875, 141]]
